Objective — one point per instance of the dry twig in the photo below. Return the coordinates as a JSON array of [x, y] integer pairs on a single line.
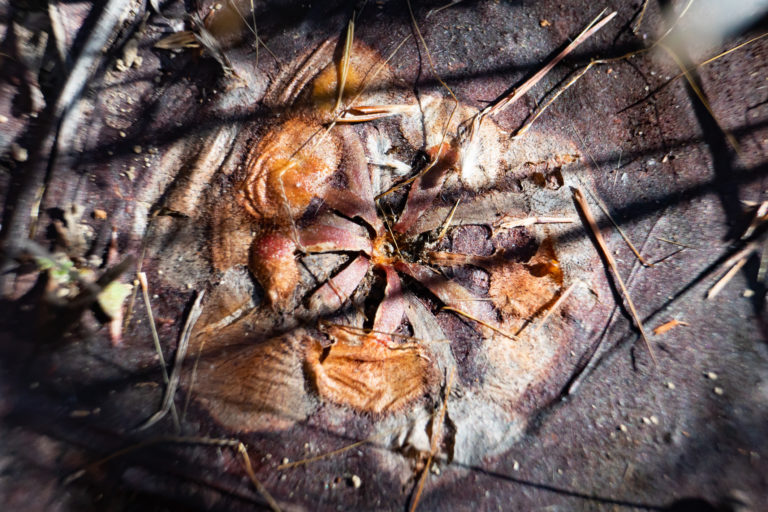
[[603, 248]]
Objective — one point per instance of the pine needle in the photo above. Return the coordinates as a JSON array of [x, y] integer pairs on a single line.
[[593, 27], [720, 284], [181, 353], [291, 465], [448, 222], [145, 292], [345, 57], [481, 322], [603, 248]]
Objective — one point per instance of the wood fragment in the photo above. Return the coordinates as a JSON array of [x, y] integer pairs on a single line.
[[603, 248], [365, 113], [668, 326], [178, 40], [759, 217]]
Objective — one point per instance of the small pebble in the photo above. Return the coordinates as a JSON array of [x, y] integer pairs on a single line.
[[654, 419], [711, 375], [671, 385], [137, 149], [19, 153], [3, 119], [516, 466], [623, 427], [99, 214], [285, 460], [121, 133], [647, 421], [748, 293], [356, 481], [718, 390], [435, 469]]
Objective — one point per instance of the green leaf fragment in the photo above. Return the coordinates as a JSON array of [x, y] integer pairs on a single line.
[[112, 297]]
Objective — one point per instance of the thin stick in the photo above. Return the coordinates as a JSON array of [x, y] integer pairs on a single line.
[[255, 481], [556, 305], [207, 441], [255, 32], [720, 284], [437, 431], [481, 322], [726, 52], [603, 247], [674, 24], [181, 353]]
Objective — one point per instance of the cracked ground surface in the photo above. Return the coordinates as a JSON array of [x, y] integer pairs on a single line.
[[153, 150]]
